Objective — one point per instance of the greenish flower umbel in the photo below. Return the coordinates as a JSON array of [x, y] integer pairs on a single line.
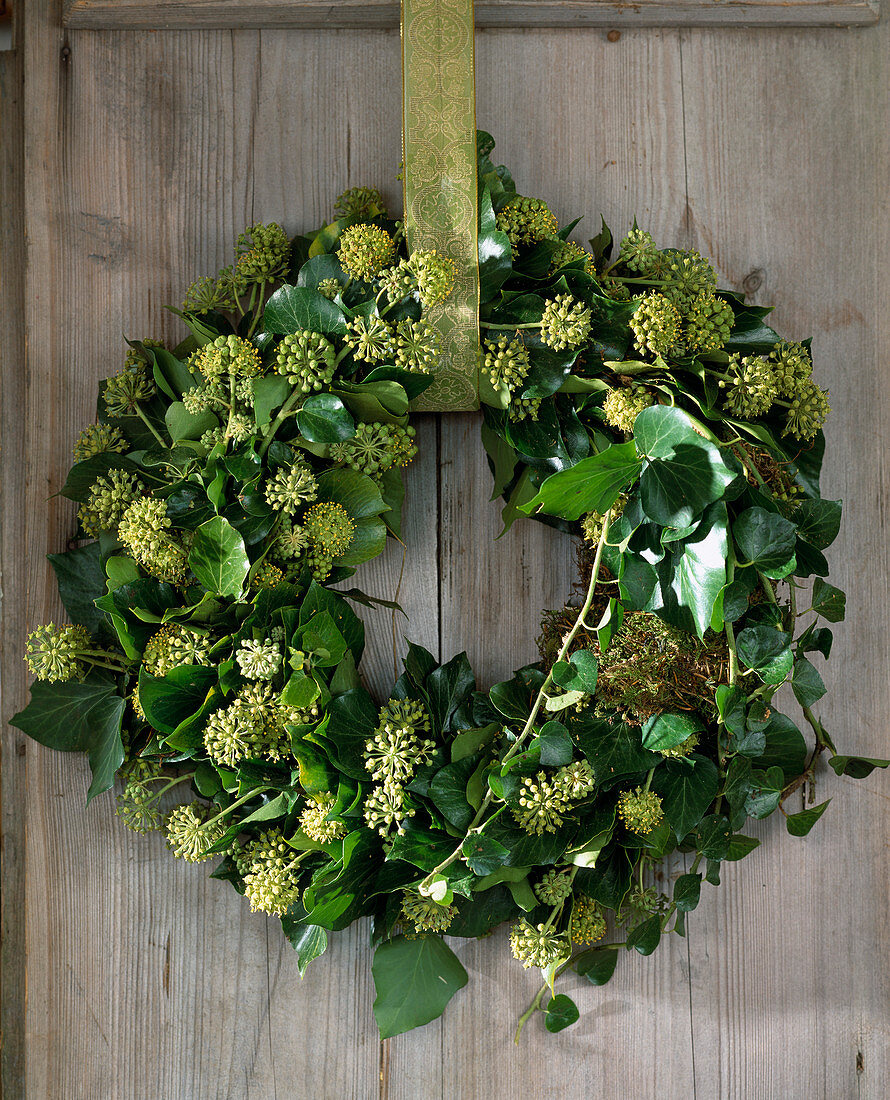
[[145, 531], [753, 387], [526, 221], [125, 391], [191, 832], [434, 275], [657, 326], [376, 448], [398, 748], [370, 338], [640, 810], [172, 646], [110, 495], [262, 253], [289, 488], [587, 923], [809, 408], [425, 914], [624, 404], [365, 250], [291, 540], [677, 752], [566, 322], [137, 804], [329, 528], [569, 252], [314, 820], [398, 281], [543, 802], [506, 361], [99, 439], [524, 408], [416, 346], [792, 368], [258, 660], [227, 355], [688, 276], [554, 887], [708, 323], [208, 293], [269, 867], [385, 808], [592, 523], [538, 945], [329, 288], [307, 359], [53, 652], [638, 251], [360, 202]]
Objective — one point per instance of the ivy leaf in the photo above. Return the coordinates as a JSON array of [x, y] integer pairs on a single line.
[[561, 1013], [591, 485], [857, 767], [806, 683], [323, 418], [687, 788], [495, 253], [268, 394], [665, 731], [169, 700], [741, 846], [484, 854], [555, 743], [81, 581], [685, 472], [597, 966], [181, 424], [308, 940], [765, 792], [818, 521], [766, 540], [693, 575], [687, 892], [767, 651], [414, 979], [646, 936], [800, 824], [78, 717], [828, 601], [299, 308], [448, 686], [613, 750], [218, 558]]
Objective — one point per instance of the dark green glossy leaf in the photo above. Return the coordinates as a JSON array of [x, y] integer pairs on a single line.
[[767, 651], [818, 521], [323, 418], [741, 846], [484, 854], [806, 683], [687, 788], [687, 892], [828, 601], [613, 749], [78, 717], [857, 767], [218, 557], [597, 966], [294, 309], [414, 979], [81, 580], [665, 731], [766, 540], [765, 792], [592, 485], [561, 1013], [800, 824], [646, 936]]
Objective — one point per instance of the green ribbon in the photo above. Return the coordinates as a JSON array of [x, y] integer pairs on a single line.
[[441, 197]]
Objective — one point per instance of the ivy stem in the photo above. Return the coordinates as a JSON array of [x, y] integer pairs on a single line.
[[514, 328], [168, 786], [283, 413], [539, 699], [150, 426], [238, 802], [530, 1011], [733, 656], [258, 312]]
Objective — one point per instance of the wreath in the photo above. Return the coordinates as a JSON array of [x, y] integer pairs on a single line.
[[228, 484]]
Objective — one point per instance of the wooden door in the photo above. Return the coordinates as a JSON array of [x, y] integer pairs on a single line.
[[132, 158]]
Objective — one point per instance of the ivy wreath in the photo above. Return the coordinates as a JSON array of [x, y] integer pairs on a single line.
[[230, 482]]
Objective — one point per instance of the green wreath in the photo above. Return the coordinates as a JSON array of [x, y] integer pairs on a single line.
[[229, 483]]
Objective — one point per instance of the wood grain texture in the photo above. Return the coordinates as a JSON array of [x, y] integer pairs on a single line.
[[145, 154], [12, 745], [513, 14], [790, 198]]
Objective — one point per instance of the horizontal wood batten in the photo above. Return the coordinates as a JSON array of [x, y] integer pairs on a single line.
[[509, 14]]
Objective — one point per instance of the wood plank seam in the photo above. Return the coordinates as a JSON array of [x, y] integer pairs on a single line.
[[504, 14]]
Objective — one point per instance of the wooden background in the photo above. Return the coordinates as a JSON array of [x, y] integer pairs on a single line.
[[127, 974]]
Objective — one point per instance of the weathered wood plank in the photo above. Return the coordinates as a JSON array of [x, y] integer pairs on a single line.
[[790, 976], [626, 127], [12, 396], [516, 14], [146, 978]]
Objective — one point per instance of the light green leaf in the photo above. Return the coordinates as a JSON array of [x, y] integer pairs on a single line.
[[218, 558], [591, 485], [415, 979]]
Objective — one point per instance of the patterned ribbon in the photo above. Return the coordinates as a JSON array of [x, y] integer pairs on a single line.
[[441, 200]]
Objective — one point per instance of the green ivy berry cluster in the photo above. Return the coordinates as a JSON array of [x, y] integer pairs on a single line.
[[230, 482]]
